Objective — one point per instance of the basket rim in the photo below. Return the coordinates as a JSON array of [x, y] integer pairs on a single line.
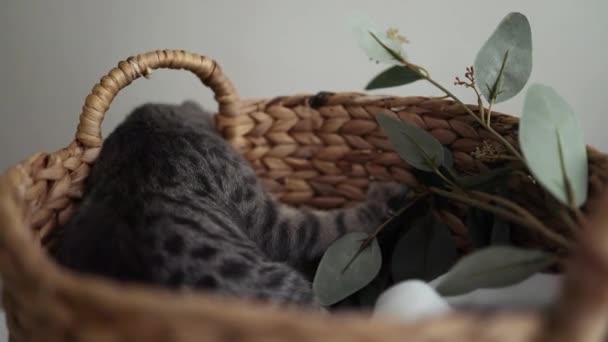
[[169, 306], [23, 259]]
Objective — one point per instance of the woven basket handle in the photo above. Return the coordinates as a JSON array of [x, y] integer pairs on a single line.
[[98, 101]]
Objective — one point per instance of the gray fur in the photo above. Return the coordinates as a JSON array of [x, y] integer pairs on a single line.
[[169, 203]]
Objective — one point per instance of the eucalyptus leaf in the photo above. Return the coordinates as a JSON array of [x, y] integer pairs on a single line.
[[368, 295], [394, 76], [426, 251], [553, 145], [339, 275], [448, 165], [504, 63], [375, 43], [492, 267], [448, 159], [485, 229], [414, 145]]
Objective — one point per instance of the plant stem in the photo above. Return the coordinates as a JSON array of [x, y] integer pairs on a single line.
[[515, 218], [580, 218], [568, 221], [517, 209], [479, 100], [365, 243], [480, 106], [399, 212], [425, 74], [444, 178], [489, 115], [504, 141]]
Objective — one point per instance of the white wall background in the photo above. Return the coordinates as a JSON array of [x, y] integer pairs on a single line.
[[52, 52]]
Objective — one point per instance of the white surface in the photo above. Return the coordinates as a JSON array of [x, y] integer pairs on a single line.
[[3, 332], [414, 300], [537, 291], [54, 51], [410, 301]]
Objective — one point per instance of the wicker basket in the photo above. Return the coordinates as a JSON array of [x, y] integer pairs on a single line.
[[317, 150]]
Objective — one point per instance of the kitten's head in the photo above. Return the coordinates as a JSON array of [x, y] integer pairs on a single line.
[[163, 116], [192, 111]]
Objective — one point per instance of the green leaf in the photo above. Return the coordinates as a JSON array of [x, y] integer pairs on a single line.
[[414, 145], [447, 168], [426, 251], [504, 63], [377, 45], [485, 229], [394, 76], [448, 159], [553, 145], [492, 267], [369, 294], [333, 280]]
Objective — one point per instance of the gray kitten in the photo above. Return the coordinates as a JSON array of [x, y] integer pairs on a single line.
[[170, 203]]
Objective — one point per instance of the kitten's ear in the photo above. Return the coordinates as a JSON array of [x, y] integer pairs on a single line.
[[194, 109]]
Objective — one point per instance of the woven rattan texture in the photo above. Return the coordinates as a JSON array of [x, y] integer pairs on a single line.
[[317, 150]]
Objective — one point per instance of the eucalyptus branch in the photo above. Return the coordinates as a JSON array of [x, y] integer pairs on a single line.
[[470, 75], [365, 243], [413, 201], [507, 215], [425, 75], [489, 113], [569, 222], [578, 215], [444, 178], [480, 104], [516, 214], [541, 227], [504, 141]]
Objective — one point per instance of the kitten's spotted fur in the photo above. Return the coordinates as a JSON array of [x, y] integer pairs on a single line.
[[168, 202]]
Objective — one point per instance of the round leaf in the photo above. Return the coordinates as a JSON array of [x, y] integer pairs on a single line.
[[365, 31], [426, 251], [553, 145], [414, 145], [339, 275], [504, 63], [448, 159], [492, 267], [394, 76], [368, 295]]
